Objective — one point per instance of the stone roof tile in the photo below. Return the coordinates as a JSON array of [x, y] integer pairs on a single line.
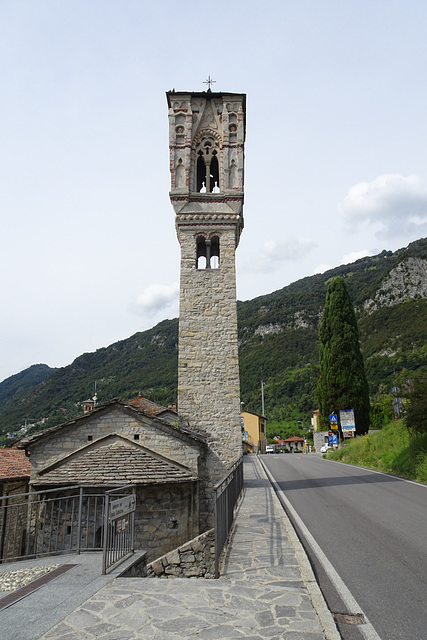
[[114, 463]]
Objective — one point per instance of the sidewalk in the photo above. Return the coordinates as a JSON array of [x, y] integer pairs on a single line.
[[267, 591]]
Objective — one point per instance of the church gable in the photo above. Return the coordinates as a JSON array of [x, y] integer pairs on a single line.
[[178, 445], [113, 460]]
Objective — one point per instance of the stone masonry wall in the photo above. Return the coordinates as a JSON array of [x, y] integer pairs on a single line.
[[194, 559], [166, 516], [13, 515], [162, 439], [208, 367]]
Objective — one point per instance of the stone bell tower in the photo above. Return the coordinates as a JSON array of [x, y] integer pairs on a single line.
[[206, 142]]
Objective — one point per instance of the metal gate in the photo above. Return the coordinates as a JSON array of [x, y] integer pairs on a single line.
[[68, 520], [119, 526]]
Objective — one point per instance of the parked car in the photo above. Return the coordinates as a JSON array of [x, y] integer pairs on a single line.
[[324, 448], [270, 448]]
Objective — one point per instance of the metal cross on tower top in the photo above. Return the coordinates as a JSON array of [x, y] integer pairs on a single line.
[[209, 82]]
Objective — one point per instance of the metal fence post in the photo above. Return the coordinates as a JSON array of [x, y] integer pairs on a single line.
[[79, 520], [104, 534]]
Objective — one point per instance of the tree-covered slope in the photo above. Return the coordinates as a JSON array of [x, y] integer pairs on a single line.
[[278, 338], [14, 388]]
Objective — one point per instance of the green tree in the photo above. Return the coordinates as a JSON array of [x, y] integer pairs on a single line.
[[416, 411], [342, 383]]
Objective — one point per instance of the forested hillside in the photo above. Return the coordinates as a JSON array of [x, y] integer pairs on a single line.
[[278, 342]]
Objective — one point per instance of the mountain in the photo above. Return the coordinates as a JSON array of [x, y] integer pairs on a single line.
[[278, 342], [17, 386]]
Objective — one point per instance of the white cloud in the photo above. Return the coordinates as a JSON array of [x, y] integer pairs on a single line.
[[273, 253], [321, 268], [348, 258], [156, 299], [395, 204]]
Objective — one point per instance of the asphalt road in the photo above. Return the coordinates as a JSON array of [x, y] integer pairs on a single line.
[[372, 527]]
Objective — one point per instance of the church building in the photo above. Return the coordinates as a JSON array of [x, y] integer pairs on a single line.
[[175, 459]]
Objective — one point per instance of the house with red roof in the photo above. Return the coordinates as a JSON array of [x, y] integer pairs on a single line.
[[15, 471]]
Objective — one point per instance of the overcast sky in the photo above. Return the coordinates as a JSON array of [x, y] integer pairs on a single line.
[[336, 152]]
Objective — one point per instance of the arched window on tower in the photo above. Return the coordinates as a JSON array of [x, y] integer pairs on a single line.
[[201, 254], [214, 262], [201, 172], [207, 166], [214, 174]]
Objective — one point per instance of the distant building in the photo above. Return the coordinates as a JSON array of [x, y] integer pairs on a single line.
[[153, 409], [315, 420], [295, 443], [253, 432]]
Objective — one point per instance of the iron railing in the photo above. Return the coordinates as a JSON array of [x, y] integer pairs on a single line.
[[42, 523], [227, 493]]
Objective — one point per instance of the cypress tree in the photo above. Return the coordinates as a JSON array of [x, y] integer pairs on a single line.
[[342, 383]]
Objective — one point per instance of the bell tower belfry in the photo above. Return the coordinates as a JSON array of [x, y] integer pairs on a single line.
[[206, 142]]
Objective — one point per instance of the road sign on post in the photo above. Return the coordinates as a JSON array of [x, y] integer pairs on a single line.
[[348, 424], [333, 420]]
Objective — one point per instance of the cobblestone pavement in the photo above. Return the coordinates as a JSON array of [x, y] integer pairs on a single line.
[[11, 580], [266, 590]]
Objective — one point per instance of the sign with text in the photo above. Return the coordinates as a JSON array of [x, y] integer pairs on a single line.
[[348, 424], [122, 524], [122, 506], [347, 419]]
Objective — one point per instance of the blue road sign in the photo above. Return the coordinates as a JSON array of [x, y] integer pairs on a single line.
[[333, 418]]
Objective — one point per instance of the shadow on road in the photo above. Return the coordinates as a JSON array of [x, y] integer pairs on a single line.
[[310, 483]]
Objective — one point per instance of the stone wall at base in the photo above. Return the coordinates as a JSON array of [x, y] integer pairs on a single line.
[[194, 559], [320, 438]]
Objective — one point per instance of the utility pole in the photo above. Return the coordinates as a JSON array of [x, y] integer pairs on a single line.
[[262, 395]]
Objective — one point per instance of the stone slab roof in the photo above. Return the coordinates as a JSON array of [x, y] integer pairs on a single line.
[[14, 465], [113, 461]]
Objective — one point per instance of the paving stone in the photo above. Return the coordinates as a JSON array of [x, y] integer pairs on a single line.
[[260, 595]]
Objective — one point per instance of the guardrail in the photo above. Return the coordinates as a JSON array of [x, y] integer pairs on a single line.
[[227, 493]]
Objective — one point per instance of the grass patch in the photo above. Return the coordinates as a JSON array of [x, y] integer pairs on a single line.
[[392, 450]]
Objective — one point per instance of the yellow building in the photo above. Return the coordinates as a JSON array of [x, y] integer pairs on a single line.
[[253, 432]]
